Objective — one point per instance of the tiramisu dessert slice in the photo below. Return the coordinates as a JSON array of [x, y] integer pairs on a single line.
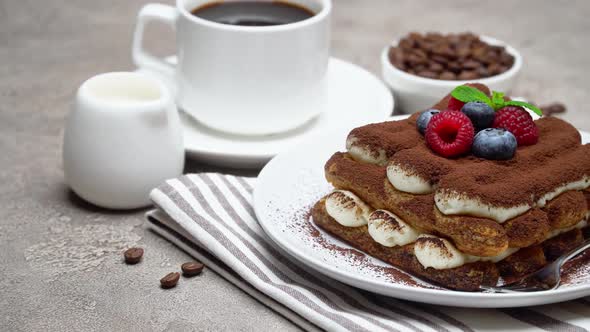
[[463, 193]]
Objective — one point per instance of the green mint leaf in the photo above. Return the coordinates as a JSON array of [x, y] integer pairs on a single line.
[[497, 100], [468, 94], [526, 105]]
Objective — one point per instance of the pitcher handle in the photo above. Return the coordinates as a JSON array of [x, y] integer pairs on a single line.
[[141, 58]]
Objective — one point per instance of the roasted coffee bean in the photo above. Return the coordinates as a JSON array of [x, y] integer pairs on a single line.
[[396, 55], [447, 75], [435, 67], [170, 280], [494, 53], [400, 65], [427, 74], [434, 36], [489, 58], [456, 40], [406, 44], [506, 59], [467, 75], [482, 72], [420, 53], [454, 66], [554, 108], [497, 49], [427, 46], [471, 64], [192, 269], [419, 68], [468, 36], [414, 36], [440, 59], [463, 51], [415, 60], [133, 255], [443, 50], [495, 69]]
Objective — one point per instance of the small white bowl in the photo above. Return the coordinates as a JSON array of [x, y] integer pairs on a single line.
[[414, 93]]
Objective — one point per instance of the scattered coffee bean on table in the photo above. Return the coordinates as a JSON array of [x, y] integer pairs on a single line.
[[551, 109], [170, 280], [133, 255], [192, 269], [462, 56]]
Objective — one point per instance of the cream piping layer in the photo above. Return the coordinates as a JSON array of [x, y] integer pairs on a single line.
[[450, 202], [406, 182], [439, 253], [453, 203], [390, 230]]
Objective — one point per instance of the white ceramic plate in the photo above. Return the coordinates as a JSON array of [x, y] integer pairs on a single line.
[[293, 181], [355, 97]]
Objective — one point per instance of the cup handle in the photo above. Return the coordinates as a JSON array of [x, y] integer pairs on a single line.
[[141, 58]]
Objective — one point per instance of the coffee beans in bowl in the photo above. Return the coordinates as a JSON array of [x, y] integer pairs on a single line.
[[419, 68], [461, 56]]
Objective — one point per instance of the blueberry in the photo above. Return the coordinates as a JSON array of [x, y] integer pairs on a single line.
[[495, 144], [424, 119], [480, 113]]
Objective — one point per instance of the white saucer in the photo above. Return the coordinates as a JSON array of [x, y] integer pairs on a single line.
[[355, 97], [282, 204]]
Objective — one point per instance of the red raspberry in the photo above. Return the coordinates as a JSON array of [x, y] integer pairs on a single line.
[[450, 134], [455, 104], [519, 122]]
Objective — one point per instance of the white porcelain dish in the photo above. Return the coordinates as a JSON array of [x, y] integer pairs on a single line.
[[414, 93], [293, 181], [354, 97]]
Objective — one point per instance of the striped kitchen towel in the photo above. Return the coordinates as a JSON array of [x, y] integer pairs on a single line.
[[212, 218]]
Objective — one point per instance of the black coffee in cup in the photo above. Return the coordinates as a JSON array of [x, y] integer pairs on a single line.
[[253, 13]]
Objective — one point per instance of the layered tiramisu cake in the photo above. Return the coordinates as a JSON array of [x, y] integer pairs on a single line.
[[463, 193]]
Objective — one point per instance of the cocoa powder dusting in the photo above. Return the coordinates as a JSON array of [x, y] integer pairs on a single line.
[[401, 135], [558, 158]]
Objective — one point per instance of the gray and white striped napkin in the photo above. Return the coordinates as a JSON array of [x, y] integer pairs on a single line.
[[212, 218]]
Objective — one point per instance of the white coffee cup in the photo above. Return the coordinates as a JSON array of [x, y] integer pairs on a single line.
[[122, 139], [243, 79]]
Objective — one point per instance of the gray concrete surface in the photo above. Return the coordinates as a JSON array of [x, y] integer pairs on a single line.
[[60, 262]]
